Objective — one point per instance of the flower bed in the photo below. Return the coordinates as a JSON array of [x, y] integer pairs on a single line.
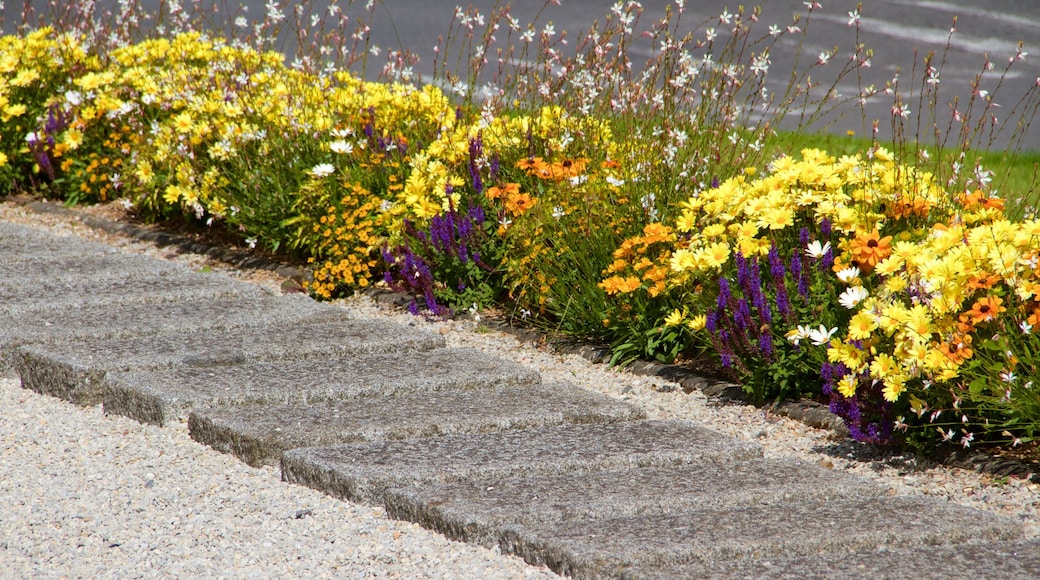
[[906, 299]]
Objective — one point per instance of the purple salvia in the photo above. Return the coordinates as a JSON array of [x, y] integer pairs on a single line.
[[803, 237], [783, 302], [743, 273], [724, 294], [827, 261], [765, 344], [494, 167], [776, 265], [825, 228], [799, 274], [715, 182], [711, 322], [742, 315]]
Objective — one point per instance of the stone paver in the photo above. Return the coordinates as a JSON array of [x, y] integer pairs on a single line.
[[603, 548], [259, 434], [479, 511], [69, 371], [193, 317], [167, 396], [1004, 560], [115, 285], [364, 472]]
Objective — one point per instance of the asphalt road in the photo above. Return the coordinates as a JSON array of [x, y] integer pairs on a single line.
[[900, 32]]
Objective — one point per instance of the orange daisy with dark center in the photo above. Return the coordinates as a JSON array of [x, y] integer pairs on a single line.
[[869, 249]]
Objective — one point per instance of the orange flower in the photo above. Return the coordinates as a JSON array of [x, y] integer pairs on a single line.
[[568, 168], [982, 281], [619, 285], [496, 192], [531, 164], [984, 310], [958, 348], [869, 249], [904, 207], [518, 203]]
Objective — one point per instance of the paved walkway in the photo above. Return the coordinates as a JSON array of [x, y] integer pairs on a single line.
[[472, 446]]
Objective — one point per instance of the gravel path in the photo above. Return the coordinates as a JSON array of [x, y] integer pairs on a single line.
[[82, 494]]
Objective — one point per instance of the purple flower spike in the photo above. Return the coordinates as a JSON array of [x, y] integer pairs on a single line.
[[724, 294]]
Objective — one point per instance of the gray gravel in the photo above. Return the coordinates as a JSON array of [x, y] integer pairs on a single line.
[[82, 494]]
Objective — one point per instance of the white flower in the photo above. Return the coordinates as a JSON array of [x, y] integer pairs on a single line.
[[820, 336], [251, 242], [852, 296], [817, 250], [322, 170], [342, 146], [848, 274], [798, 334], [614, 181]]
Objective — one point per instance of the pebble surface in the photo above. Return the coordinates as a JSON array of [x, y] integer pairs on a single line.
[[82, 494]]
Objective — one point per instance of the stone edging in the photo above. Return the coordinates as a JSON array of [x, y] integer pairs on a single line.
[[808, 412]]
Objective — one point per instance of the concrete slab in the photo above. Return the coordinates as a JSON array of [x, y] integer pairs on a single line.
[[478, 511], [259, 435], [364, 472], [193, 316], [163, 397], [71, 371], [603, 548], [1005, 560]]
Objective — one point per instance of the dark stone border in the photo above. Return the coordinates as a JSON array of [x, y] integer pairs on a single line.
[[809, 412]]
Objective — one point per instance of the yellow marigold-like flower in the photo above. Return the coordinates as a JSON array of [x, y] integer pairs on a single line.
[[657, 232], [869, 249], [620, 285]]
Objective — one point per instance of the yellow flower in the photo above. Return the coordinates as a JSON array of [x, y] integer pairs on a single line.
[[675, 318], [697, 322], [919, 323], [847, 385], [716, 255], [883, 366], [893, 387], [862, 325], [172, 194], [776, 218]]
